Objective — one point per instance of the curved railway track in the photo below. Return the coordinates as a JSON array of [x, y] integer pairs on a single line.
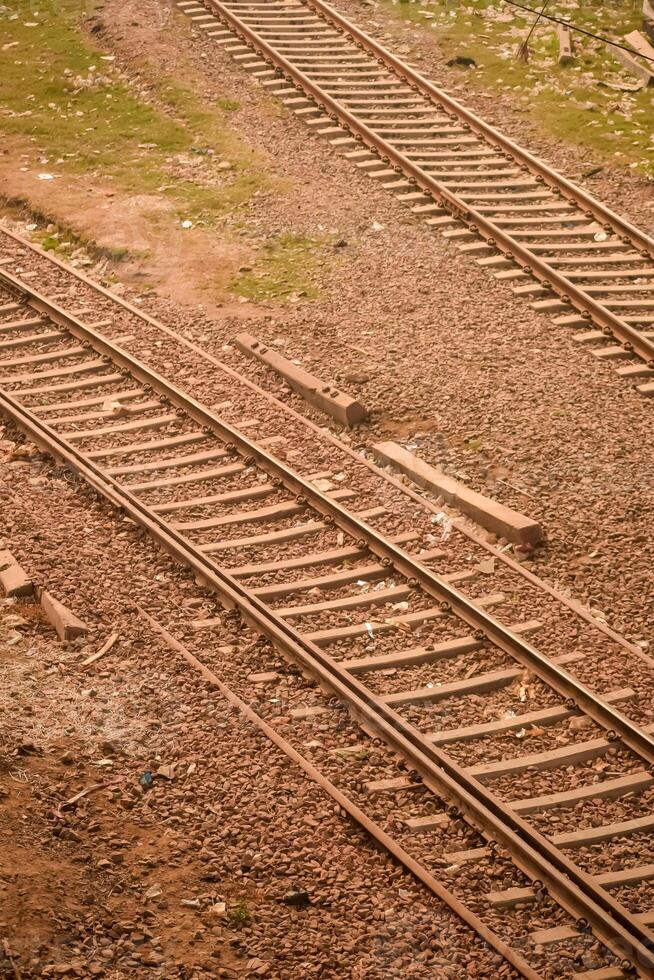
[[267, 541], [565, 251]]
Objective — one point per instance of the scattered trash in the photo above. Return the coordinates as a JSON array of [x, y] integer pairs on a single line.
[[191, 903], [14, 620], [600, 236], [187, 224], [533, 732], [146, 779], [398, 624], [113, 406], [298, 898], [46, 176], [578, 724], [368, 627], [463, 60], [446, 523], [6, 948]]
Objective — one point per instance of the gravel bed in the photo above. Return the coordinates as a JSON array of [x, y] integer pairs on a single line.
[[235, 823], [537, 436], [623, 190], [94, 553], [540, 782], [594, 813], [468, 880], [463, 547], [539, 705], [393, 679], [475, 708]]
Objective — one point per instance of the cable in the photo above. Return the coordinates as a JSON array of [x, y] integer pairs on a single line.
[[524, 47], [580, 30]]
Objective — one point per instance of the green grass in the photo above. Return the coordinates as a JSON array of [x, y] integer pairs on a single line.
[[573, 103], [284, 268], [239, 915], [66, 103]]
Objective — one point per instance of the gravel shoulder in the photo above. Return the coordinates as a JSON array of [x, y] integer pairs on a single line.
[[447, 359], [186, 878]]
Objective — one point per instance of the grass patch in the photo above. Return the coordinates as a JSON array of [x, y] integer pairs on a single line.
[[239, 915], [575, 103], [53, 236], [75, 113], [284, 269]]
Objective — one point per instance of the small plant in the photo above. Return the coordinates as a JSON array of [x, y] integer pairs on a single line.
[[239, 916]]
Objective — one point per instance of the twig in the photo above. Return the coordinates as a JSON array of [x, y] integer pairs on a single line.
[[105, 648], [7, 951], [85, 792], [517, 489]]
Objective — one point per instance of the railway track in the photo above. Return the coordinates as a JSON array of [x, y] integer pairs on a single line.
[[564, 251], [374, 619]]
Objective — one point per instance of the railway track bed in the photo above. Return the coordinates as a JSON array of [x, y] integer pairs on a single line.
[[476, 744], [557, 247]]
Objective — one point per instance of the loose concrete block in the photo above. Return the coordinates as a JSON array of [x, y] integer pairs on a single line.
[[66, 624], [14, 581], [488, 513], [324, 396]]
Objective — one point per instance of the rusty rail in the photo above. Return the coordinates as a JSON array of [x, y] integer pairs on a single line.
[[630, 337], [573, 889]]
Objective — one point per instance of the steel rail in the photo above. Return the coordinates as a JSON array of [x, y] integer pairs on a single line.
[[371, 827], [586, 201], [502, 556], [573, 889], [593, 908], [494, 234], [560, 680]]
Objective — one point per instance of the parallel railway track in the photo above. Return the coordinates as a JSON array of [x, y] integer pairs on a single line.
[[564, 250], [267, 541]]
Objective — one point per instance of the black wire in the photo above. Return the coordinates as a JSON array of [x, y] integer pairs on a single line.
[[525, 44], [580, 30]]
